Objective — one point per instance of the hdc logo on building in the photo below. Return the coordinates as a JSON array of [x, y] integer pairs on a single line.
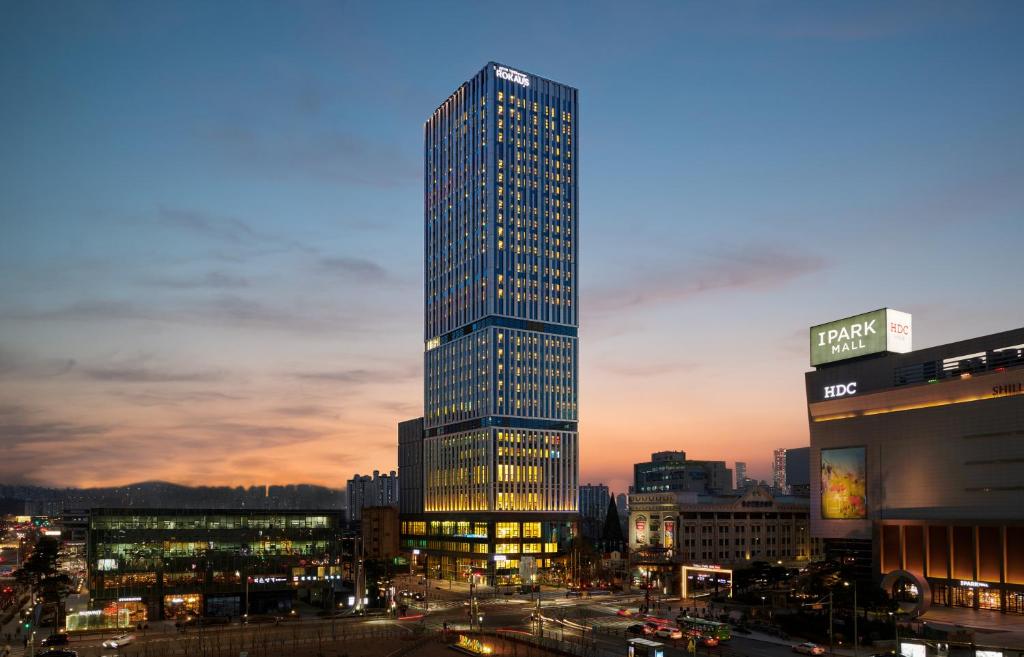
[[841, 390]]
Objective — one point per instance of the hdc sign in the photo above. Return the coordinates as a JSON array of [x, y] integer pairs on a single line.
[[841, 390]]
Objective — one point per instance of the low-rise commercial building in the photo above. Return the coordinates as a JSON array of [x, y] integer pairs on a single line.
[[151, 564], [671, 529]]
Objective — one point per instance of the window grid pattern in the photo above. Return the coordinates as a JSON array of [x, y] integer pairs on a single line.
[[457, 472], [536, 471]]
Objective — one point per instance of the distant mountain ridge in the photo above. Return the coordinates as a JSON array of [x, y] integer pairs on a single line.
[[151, 494]]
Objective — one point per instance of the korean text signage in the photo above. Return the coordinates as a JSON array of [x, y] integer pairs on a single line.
[[870, 333]]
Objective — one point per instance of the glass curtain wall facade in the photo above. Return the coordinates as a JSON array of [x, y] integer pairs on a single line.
[[168, 563], [500, 313]]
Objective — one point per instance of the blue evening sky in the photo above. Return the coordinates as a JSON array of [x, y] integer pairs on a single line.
[[211, 246]]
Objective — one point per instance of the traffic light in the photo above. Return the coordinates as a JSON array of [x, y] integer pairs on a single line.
[[27, 625]]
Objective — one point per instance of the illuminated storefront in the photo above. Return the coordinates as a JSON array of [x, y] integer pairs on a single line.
[[152, 564]]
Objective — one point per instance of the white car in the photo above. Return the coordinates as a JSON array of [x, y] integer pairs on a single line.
[[119, 641], [668, 633], [809, 648]]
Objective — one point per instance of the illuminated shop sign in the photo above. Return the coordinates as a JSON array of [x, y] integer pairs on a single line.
[[131, 599], [972, 584], [512, 75], [268, 579], [884, 330], [841, 390]]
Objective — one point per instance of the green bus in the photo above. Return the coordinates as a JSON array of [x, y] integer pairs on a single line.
[[707, 628]]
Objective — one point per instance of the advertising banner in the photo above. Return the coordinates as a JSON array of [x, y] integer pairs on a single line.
[[844, 483], [883, 330], [640, 529], [669, 529]]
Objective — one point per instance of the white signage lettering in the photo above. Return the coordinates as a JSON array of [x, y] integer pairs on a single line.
[[972, 584], [512, 75], [850, 338], [841, 390]]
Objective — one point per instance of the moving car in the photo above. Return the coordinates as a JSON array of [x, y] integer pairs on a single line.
[[636, 628], [809, 648], [119, 641], [59, 639], [666, 632]]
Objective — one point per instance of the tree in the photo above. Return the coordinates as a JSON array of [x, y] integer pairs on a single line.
[[41, 574]]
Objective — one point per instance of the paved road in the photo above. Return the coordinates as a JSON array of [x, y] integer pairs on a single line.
[[586, 622]]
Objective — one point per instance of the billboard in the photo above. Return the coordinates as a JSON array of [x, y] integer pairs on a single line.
[[884, 330], [844, 483]]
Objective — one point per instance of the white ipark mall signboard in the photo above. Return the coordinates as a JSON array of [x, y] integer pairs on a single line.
[[879, 331]]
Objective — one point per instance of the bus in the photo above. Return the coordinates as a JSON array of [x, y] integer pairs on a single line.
[[645, 648], [720, 631]]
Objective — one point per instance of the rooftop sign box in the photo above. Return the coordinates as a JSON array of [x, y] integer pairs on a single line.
[[879, 331]]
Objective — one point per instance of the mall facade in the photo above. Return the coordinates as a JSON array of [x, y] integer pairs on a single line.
[[155, 564], [917, 461], [497, 456]]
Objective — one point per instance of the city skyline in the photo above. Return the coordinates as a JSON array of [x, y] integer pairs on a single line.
[[211, 265]]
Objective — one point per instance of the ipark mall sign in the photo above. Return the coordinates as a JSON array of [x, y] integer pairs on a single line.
[[884, 330]]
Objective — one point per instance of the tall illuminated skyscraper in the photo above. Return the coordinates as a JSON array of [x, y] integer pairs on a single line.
[[499, 447]]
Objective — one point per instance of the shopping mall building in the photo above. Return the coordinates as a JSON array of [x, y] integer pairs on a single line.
[[917, 460]]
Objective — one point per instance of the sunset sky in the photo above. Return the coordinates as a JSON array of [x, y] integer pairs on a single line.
[[211, 213]]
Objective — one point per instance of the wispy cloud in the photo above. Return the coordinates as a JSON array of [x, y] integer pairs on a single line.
[[754, 266], [172, 398], [148, 375], [211, 279], [356, 268], [329, 156], [20, 365], [229, 310], [360, 376], [642, 369]]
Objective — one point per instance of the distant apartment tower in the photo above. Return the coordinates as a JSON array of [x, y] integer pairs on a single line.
[[798, 471], [741, 475], [499, 445], [672, 471], [593, 509], [594, 501], [779, 470], [364, 491]]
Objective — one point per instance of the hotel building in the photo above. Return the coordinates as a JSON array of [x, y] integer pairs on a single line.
[[499, 443], [918, 465]]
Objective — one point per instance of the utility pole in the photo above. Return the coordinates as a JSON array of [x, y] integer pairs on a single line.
[[831, 628], [856, 639]]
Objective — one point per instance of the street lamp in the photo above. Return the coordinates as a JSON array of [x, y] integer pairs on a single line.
[[856, 639], [896, 629], [245, 613]]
